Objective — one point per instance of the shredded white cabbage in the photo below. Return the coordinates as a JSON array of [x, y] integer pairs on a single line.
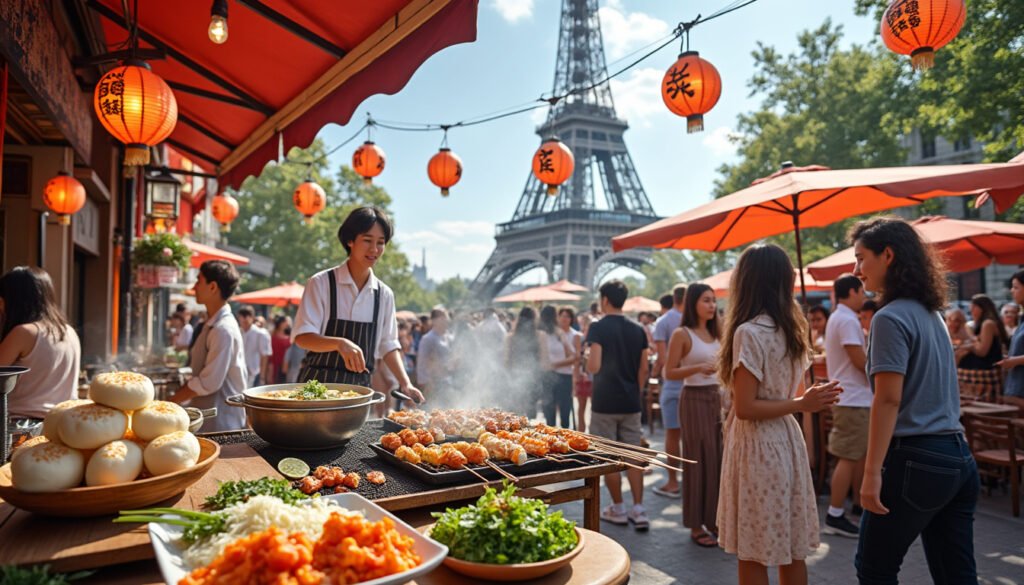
[[258, 514]]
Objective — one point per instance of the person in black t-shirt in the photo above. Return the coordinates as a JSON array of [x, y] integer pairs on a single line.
[[618, 360]]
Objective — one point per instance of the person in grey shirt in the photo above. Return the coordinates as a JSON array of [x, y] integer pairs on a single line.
[[920, 478]]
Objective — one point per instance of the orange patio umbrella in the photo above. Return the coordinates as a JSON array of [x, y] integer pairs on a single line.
[[965, 244], [406, 316], [720, 283], [799, 197], [280, 296], [201, 253], [537, 294], [567, 286], [640, 304]]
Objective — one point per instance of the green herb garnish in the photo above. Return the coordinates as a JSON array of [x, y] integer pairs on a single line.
[[504, 529], [37, 575], [313, 390], [230, 493], [198, 525]]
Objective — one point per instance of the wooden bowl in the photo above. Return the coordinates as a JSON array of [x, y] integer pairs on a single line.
[[515, 572], [84, 502]]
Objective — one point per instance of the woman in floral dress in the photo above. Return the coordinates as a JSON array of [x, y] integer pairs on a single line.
[[767, 513]]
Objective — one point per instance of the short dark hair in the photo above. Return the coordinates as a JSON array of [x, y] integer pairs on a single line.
[[1018, 276], [360, 221], [665, 301], [678, 294], [594, 307], [567, 309], [818, 309], [180, 308], [222, 273], [246, 311], [616, 292], [870, 305], [844, 285]]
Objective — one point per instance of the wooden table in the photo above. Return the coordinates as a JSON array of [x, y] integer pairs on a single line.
[[988, 409]]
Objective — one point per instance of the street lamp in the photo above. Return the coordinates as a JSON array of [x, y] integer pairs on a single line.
[[163, 199]]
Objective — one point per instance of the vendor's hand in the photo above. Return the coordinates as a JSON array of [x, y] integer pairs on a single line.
[[870, 493], [352, 355], [414, 393], [820, 396]]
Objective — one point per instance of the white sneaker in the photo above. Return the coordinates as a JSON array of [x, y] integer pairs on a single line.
[[614, 515], [638, 516]]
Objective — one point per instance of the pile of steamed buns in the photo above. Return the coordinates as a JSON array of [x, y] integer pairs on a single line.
[[116, 436]]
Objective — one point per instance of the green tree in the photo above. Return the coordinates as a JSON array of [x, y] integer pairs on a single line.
[[453, 293], [268, 224], [667, 268]]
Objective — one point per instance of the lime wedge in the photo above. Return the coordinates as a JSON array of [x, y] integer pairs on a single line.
[[293, 468]]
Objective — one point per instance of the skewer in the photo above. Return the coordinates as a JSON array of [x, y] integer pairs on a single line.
[[555, 459], [637, 457], [482, 478], [598, 457], [501, 471], [627, 446]]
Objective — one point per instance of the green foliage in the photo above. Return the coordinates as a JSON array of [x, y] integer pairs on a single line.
[[164, 249], [230, 493], [453, 293], [37, 575], [268, 224], [667, 268]]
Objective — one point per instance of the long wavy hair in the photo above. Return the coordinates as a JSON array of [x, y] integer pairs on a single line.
[[988, 311], [548, 319], [690, 319], [29, 297], [916, 271], [762, 284]]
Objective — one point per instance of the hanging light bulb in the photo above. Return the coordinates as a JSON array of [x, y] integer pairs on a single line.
[[218, 30]]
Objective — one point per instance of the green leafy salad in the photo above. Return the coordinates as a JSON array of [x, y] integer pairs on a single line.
[[313, 390], [502, 528]]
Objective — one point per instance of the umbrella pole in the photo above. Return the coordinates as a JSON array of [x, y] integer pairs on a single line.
[[799, 257]]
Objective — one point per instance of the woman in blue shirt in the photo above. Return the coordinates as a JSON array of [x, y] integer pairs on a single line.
[[920, 477], [1013, 390]]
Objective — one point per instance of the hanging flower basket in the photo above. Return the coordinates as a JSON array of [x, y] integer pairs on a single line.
[[159, 260], [150, 276]]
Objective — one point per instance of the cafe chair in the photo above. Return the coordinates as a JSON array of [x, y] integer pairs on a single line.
[[994, 444], [822, 458], [652, 404]]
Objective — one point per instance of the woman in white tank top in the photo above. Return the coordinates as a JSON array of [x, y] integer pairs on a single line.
[[692, 357], [36, 335]]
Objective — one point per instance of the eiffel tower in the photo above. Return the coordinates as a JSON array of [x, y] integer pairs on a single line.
[[569, 235]]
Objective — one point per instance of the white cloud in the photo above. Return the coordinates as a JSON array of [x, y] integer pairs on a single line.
[[718, 141], [422, 238], [466, 228], [626, 31], [513, 10], [637, 96]]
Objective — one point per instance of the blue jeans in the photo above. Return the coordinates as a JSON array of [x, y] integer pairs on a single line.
[[930, 485], [558, 397]]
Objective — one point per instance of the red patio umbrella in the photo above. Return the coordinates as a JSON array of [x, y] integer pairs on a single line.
[[794, 198], [280, 296], [720, 284], [201, 253], [537, 294], [965, 244]]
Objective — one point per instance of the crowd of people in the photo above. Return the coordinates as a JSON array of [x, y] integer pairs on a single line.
[[729, 384]]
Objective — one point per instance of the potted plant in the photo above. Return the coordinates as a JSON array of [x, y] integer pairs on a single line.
[[158, 258]]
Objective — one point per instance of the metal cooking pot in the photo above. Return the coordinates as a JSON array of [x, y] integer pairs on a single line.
[[256, 396], [306, 428]]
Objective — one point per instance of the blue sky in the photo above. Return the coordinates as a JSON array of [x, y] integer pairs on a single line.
[[512, 62]]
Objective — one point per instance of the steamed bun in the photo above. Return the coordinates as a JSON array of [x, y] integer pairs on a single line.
[[90, 426], [51, 424], [29, 443], [47, 467], [171, 452], [122, 390], [159, 418], [116, 462]]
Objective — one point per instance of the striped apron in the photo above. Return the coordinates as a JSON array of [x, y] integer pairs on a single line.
[[328, 367]]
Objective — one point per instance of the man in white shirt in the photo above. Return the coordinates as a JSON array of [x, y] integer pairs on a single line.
[[218, 357], [433, 367], [845, 359], [257, 346]]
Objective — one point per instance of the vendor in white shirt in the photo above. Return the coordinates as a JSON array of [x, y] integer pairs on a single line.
[[346, 319]]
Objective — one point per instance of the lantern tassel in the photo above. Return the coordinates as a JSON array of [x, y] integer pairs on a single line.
[[308, 220], [367, 180], [444, 192], [552, 190], [136, 155], [63, 219], [923, 58], [225, 228], [694, 124]]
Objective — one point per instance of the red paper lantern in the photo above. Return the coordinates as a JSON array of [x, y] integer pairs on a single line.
[[920, 27], [137, 107], [225, 210], [553, 164], [65, 196], [444, 169], [690, 88], [309, 199], [368, 161]]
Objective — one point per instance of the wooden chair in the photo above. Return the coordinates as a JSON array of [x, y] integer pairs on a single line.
[[994, 444]]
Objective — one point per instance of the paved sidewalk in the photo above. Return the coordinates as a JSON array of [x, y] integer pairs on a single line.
[[666, 555]]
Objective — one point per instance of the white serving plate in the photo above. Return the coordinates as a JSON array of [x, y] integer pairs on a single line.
[[165, 540]]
